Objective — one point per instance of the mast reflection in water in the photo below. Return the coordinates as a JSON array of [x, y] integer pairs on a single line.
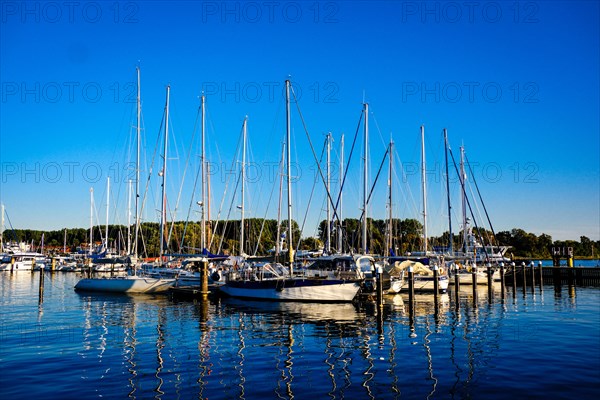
[[537, 344]]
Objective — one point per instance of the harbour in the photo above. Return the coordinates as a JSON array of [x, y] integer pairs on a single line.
[[454, 345]]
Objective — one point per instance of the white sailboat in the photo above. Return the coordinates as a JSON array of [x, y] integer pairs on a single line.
[[277, 283], [136, 283]]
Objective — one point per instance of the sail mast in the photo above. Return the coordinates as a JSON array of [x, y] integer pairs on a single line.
[[129, 217], [2, 228], [137, 165], [450, 237], [365, 178], [390, 176], [340, 227], [203, 176], [463, 178], [245, 127], [91, 218], [278, 238], [424, 188], [107, 210], [328, 246], [164, 178], [289, 178]]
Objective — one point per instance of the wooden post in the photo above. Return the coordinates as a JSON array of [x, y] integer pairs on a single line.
[[204, 282], [436, 283], [524, 277], [12, 264], [456, 286], [489, 281], [379, 289], [502, 279], [541, 276], [514, 276], [53, 265], [41, 289], [532, 264], [411, 290], [33, 265], [474, 282]]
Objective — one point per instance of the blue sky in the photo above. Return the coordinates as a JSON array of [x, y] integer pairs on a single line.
[[516, 82]]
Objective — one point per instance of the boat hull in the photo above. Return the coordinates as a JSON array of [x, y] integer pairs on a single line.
[[316, 290], [127, 284]]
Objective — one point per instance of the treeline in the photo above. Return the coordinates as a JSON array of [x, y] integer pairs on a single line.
[[260, 237]]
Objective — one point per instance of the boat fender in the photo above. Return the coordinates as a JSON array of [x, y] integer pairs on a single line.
[[441, 271], [215, 276]]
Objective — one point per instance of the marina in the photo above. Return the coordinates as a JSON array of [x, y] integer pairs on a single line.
[[453, 345]]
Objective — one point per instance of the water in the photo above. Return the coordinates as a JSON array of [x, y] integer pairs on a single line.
[[537, 344]]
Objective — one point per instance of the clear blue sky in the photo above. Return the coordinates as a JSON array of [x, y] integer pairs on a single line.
[[516, 82]]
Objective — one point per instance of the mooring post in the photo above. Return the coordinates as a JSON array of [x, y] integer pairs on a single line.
[[33, 265], [514, 276], [474, 278], [204, 283], [436, 283], [456, 285], [541, 276], [532, 265], [489, 281], [502, 279], [53, 265], [524, 277], [41, 289], [12, 264], [379, 288], [411, 289]]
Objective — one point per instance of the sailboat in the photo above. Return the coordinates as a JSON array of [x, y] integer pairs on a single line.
[[272, 281], [138, 283], [420, 262]]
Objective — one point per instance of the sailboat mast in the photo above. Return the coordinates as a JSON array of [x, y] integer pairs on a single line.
[[2, 228], [245, 127], [278, 238], [328, 246], [137, 163], [463, 178], [289, 178], [365, 178], [203, 175], [450, 236], [424, 188], [340, 227], [65, 242], [129, 217], [107, 210], [390, 176], [91, 218], [164, 178]]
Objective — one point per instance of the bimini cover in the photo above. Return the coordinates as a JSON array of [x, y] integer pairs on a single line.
[[398, 267]]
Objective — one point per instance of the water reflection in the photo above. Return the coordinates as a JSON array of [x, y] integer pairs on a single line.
[[147, 346]]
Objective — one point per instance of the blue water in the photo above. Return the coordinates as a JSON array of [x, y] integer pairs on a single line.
[[535, 344]]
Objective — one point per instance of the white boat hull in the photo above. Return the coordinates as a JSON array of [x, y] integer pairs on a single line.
[[426, 284], [293, 290], [126, 284]]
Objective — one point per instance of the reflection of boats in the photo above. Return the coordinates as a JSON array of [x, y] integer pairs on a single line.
[[423, 274], [305, 312], [465, 275]]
